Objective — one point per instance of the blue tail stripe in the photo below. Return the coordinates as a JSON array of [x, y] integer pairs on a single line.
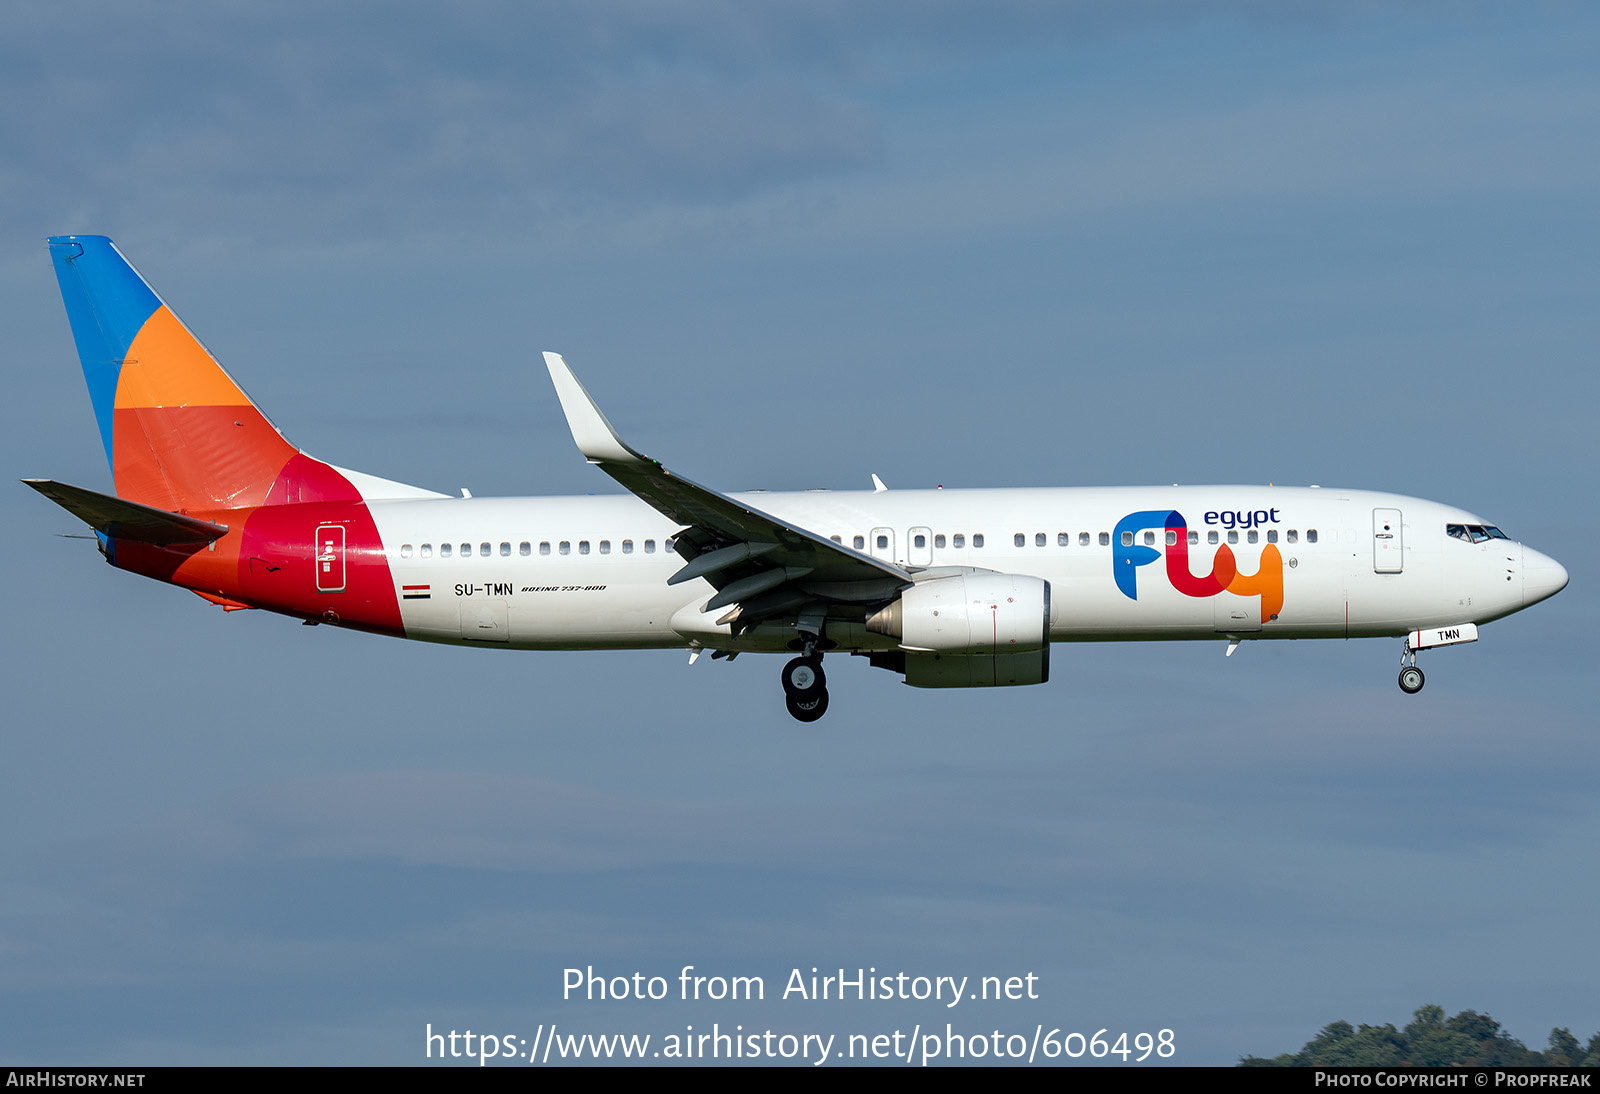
[[107, 304]]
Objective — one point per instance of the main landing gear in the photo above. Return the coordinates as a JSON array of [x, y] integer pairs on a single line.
[[805, 686], [1411, 678]]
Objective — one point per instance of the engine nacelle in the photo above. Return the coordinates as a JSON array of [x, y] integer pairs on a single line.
[[970, 613], [977, 670]]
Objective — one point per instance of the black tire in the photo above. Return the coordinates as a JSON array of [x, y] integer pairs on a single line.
[[1411, 679], [803, 677], [807, 708]]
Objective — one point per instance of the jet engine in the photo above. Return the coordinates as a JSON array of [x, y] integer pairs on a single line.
[[973, 629]]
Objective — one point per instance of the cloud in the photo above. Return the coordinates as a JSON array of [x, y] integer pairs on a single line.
[[361, 121]]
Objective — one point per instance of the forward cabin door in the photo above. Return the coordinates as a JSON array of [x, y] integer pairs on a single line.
[[1388, 548], [330, 558]]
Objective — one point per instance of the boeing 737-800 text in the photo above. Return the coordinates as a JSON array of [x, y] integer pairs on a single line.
[[949, 588]]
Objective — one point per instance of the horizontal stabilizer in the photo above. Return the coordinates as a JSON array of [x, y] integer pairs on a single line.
[[122, 519]]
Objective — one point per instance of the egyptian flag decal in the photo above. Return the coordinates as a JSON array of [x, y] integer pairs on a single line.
[[416, 592]]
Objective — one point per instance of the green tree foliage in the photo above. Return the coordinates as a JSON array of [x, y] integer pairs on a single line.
[[1432, 1040], [1564, 1050]]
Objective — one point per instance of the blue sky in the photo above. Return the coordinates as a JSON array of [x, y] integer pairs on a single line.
[[790, 245]]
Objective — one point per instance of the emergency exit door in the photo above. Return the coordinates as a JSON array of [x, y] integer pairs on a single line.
[[881, 544]]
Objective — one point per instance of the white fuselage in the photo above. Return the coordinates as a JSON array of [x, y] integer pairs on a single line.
[[591, 572]]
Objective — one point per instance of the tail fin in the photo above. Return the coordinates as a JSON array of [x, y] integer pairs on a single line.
[[178, 432]]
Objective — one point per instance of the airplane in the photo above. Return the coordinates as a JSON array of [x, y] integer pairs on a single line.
[[946, 588]]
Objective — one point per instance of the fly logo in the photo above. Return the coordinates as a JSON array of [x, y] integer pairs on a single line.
[[1128, 556]]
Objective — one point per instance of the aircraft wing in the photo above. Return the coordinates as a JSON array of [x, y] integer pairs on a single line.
[[757, 561], [122, 519]]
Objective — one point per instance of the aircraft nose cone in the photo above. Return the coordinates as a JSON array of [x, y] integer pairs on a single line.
[[1542, 576]]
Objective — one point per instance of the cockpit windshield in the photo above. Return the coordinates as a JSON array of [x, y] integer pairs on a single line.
[[1474, 533]]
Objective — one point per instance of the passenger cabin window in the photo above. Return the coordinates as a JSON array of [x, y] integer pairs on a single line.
[[485, 550], [427, 550], [883, 543], [405, 550], [920, 540], [1311, 535], [1272, 535], [1038, 539], [649, 546], [544, 547], [566, 547], [583, 546], [1105, 539], [666, 544], [1083, 539], [977, 539], [444, 550], [1253, 536], [466, 550], [1294, 535], [1149, 539], [605, 546], [1127, 539], [1062, 539], [959, 540], [859, 543], [505, 550], [1194, 538], [1233, 536], [1172, 538], [1019, 540], [837, 539], [938, 541], [627, 546], [1211, 537], [524, 548]]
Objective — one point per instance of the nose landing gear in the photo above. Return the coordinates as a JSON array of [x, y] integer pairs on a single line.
[[1411, 678]]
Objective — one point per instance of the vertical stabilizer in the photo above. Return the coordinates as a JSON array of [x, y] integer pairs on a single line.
[[178, 432]]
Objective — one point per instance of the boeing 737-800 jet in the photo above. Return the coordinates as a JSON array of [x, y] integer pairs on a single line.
[[949, 588]]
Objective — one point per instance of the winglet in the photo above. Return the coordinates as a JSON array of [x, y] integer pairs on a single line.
[[594, 436]]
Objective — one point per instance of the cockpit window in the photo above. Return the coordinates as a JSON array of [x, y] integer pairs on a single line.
[[1474, 533]]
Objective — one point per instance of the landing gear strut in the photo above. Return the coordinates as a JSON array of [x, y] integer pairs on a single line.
[[1411, 678], [805, 685]]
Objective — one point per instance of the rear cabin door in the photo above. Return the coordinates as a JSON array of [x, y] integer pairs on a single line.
[[1388, 549], [330, 558]]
